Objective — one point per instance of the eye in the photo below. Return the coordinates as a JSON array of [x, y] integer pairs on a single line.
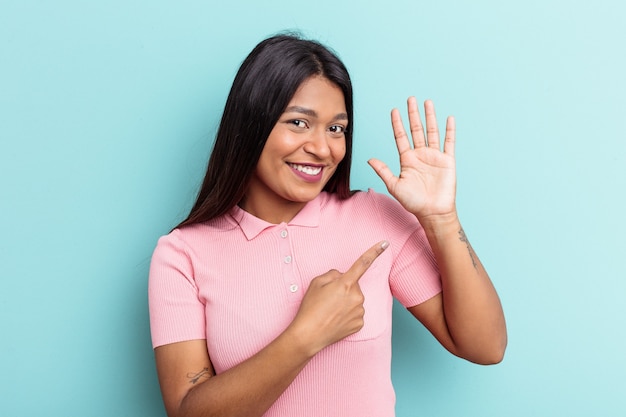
[[298, 123], [337, 130]]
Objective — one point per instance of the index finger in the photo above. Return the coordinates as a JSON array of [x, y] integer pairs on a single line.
[[362, 264]]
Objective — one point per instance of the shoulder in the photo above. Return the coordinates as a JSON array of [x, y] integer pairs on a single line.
[[170, 249], [366, 209], [364, 201], [358, 198], [178, 253], [383, 210], [175, 241], [186, 240]]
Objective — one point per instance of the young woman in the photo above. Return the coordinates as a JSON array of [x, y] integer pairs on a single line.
[[274, 297]]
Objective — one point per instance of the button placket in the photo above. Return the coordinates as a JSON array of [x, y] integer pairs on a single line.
[[290, 279]]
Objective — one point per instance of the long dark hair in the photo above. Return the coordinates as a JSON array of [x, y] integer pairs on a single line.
[[263, 87]]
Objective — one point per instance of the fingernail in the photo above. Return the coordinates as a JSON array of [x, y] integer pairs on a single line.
[[384, 245]]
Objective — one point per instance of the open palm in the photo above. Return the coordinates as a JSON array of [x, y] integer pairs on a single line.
[[426, 185]]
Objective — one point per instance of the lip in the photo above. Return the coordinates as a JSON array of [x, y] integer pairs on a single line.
[[306, 177]]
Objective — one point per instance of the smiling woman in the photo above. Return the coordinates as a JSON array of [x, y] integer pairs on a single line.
[[250, 314], [265, 84], [301, 154]]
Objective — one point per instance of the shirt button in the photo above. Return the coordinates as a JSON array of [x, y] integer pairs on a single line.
[[287, 259], [293, 288], [283, 234]]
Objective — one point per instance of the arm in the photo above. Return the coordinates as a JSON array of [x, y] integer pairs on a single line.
[[331, 309], [466, 317], [191, 388]]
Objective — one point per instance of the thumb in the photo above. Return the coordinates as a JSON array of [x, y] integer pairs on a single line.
[[383, 171]]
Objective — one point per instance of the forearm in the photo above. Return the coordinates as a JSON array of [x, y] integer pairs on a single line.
[[250, 388], [471, 306]]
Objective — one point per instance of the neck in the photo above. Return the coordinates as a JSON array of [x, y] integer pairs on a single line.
[[272, 213]]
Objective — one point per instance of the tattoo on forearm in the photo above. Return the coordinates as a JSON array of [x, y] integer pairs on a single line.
[[472, 254], [195, 377]]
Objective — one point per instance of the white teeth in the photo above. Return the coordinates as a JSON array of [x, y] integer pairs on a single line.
[[309, 170]]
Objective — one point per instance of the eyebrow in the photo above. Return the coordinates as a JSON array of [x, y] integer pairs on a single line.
[[313, 113]]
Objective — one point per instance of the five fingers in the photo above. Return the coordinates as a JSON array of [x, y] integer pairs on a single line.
[[431, 138]]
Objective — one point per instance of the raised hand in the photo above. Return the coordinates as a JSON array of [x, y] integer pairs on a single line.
[[332, 307], [426, 185]]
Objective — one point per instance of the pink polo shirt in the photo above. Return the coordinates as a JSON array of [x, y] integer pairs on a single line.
[[237, 281]]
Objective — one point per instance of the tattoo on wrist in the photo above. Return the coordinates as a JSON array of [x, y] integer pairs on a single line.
[[195, 377], [472, 254]]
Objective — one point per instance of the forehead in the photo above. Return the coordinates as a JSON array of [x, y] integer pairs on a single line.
[[319, 94]]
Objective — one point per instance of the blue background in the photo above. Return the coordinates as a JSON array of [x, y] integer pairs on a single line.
[[107, 112]]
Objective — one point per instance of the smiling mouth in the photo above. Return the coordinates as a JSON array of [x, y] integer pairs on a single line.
[[306, 169]]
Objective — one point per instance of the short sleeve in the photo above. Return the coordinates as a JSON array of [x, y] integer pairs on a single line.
[[414, 276], [176, 312]]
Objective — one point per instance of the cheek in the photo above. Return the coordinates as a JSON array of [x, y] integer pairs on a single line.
[[339, 151]]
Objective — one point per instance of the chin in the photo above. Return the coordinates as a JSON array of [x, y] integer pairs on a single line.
[[305, 197]]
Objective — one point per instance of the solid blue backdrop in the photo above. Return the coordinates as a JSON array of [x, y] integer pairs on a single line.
[[107, 113]]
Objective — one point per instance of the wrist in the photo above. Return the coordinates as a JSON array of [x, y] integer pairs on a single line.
[[300, 342], [441, 224]]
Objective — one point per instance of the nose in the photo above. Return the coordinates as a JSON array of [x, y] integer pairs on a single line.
[[317, 144]]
